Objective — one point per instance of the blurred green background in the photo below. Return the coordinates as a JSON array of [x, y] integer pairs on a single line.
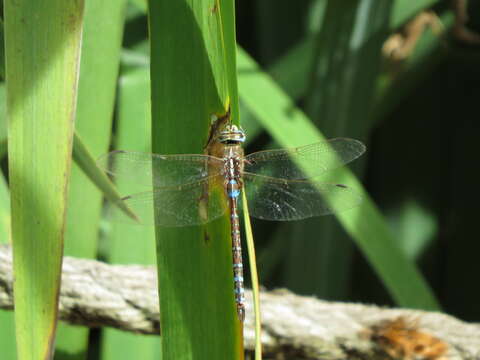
[[416, 113], [401, 76]]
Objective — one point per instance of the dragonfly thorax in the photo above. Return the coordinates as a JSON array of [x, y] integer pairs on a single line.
[[231, 134], [233, 161]]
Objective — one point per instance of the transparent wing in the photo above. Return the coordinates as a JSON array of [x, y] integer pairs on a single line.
[[165, 170], [277, 199], [316, 158], [185, 205]]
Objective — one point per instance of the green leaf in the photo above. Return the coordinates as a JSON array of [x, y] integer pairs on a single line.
[[131, 244], [42, 60], [192, 71], [97, 85]]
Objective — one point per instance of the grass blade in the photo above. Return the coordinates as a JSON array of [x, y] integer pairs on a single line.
[[42, 58], [84, 159]]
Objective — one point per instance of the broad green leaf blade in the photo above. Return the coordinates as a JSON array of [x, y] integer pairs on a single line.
[[131, 244], [42, 59], [97, 85], [290, 127], [190, 84]]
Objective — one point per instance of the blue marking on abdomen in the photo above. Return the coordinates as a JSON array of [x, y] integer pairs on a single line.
[[234, 193]]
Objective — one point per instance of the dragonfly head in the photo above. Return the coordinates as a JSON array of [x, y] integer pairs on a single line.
[[231, 134]]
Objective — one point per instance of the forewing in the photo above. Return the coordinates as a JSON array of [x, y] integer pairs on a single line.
[[305, 161], [155, 170], [185, 205], [277, 199]]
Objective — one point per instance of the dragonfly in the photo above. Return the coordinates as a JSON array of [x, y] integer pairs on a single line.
[[194, 189]]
